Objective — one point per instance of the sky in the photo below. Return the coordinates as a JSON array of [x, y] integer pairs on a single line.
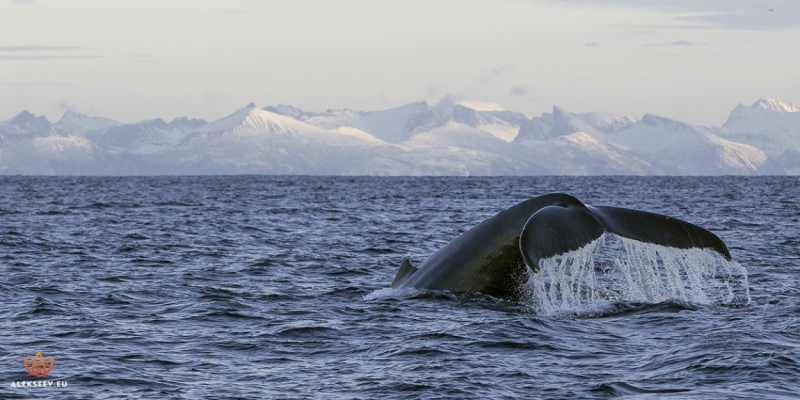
[[131, 60]]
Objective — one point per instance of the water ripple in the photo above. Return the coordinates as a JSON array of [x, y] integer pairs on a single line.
[[277, 287]]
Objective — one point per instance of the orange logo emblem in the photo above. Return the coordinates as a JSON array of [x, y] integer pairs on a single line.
[[38, 367]]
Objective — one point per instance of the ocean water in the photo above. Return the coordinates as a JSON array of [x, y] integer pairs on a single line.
[[277, 287]]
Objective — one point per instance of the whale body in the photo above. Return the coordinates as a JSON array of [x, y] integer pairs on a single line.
[[491, 257]]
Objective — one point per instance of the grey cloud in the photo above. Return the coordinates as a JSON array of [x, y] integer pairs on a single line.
[[13, 57], [38, 48], [39, 52], [730, 14], [675, 43], [65, 106], [36, 83], [760, 20], [494, 73], [519, 91]]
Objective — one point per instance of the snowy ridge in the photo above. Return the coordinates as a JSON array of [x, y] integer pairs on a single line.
[[258, 122], [81, 124], [774, 105], [448, 138], [769, 125], [605, 122], [391, 126], [481, 106]]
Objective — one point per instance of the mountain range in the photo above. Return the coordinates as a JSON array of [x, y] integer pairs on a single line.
[[447, 138]]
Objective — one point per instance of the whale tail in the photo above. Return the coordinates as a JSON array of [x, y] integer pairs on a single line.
[[570, 225], [403, 273], [659, 229]]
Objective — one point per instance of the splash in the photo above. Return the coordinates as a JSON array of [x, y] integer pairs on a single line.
[[614, 269], [389, 293]]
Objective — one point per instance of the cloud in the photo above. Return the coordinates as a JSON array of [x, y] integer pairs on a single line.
[[38, 52], [14, 49], [729, 14], [13, 57], [519, 91], [65, 106], [494, 73], [761, 19], [36, 83], [497, 83], [677, 43], [486, 84]]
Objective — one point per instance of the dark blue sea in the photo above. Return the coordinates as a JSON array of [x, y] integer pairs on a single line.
[[277, 287]]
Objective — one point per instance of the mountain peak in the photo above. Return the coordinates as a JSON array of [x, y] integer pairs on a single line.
[[288, 110], [761, 110], [445, 105], [775, 105], [449, 102], [26, 117], [481, 106], [656, 121], [185, 122], [252, 119], [72, 114], [605, 122], [563, 123], [26, 123]]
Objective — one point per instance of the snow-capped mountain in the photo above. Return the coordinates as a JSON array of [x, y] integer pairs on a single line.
[[567, 142], [142, 137], [32, 145], [254, 140], [25, 125], [768, 125], [774, 105], [391, 126], [401, 123], [81, 124], [251, 121], [655, 144], [448, 138], [558, 123], [690, 150]]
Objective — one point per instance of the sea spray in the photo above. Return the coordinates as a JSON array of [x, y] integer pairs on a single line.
[[615, 269]]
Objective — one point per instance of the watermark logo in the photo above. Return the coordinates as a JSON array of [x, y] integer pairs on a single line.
[[38, 366]]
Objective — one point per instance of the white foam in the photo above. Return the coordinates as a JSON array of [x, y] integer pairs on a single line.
[[390, 293], [613, 269]]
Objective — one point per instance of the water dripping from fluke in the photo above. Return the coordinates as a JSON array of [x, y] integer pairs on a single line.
[[613, 270]]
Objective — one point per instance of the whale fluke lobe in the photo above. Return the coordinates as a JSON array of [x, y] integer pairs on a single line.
[[658, 229], [557, 229], [491, 257]]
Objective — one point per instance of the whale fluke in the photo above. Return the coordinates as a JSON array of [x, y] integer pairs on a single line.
[[569, 225], [491, 257], [658, 229], [558, 229]]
